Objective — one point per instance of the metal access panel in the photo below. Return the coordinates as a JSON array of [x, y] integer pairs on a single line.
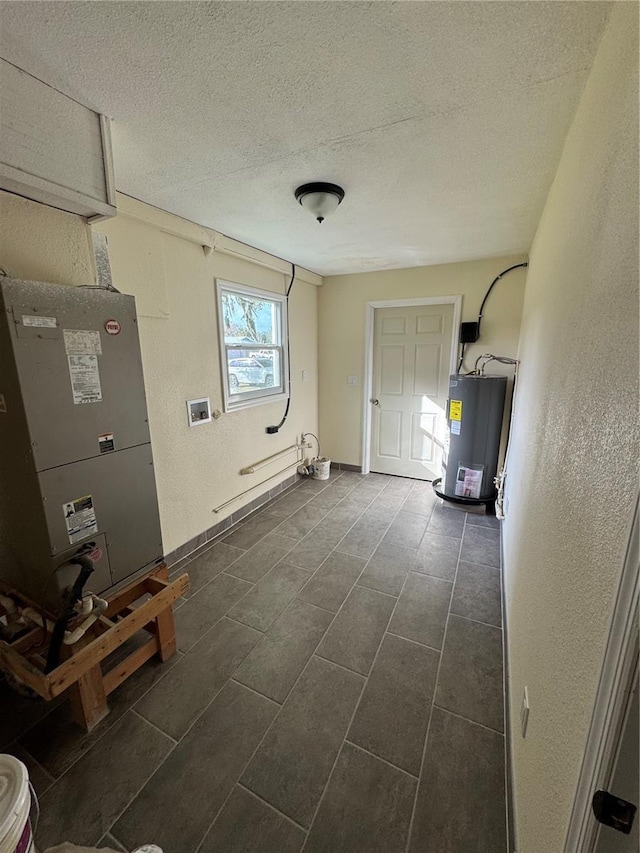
[[474, 418], [118, 486], [76, 463], [78, 382]]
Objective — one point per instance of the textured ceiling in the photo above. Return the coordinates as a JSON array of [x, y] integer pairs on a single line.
[[444, 121]]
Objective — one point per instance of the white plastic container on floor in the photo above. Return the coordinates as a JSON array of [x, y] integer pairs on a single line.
[[321, 468], [15, 804]]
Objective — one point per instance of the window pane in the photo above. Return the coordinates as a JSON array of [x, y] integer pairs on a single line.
[[254, 371], [250, 320], [270, 360], [251, 341]]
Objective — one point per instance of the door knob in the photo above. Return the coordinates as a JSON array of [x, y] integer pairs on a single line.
[[375, 402]]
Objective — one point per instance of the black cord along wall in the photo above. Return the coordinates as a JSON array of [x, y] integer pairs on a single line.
[[272, 430]]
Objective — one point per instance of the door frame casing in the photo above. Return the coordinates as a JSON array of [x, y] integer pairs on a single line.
[[620, 659], [370, 312]]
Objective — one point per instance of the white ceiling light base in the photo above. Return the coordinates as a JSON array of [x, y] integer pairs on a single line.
[[319, 198]]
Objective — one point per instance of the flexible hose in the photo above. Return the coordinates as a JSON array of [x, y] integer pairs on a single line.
[[67, 610]]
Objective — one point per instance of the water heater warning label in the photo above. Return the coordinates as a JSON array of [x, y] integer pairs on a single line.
[[455, 410], [85, 379], [80, 518], [469, 481]]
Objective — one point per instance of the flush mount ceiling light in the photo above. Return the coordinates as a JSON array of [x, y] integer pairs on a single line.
[[319, 199]]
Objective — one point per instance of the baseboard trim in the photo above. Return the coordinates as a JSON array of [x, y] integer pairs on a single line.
[[508, 752], [345, 466], [272, 494]]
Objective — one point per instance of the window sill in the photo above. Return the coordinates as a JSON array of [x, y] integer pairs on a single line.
[[234, 406]]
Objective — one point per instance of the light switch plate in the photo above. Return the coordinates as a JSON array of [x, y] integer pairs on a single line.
[[352, 380], [524, 712]]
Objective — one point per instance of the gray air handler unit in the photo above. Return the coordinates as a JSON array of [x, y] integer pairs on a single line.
[[474, 420], [76, 471]]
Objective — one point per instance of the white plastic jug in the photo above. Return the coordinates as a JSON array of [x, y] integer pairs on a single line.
[[15, 804]]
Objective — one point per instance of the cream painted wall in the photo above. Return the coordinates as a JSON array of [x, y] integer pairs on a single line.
[[174, 282], [342, 303], [160, 260], [573, 475], [39, 243]]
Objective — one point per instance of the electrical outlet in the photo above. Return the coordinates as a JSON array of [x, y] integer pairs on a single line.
[[352, 380], [524, 712]]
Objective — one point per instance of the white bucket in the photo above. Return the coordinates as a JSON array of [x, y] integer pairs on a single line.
[[321, 468], [15, 803]]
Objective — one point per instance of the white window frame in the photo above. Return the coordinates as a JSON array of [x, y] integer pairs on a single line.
[[234, 402]]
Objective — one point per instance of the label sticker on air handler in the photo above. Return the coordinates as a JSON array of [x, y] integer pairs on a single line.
[[80, 518], [85, 379], [82, 342], [106, 442], [39, 322], [455, 410]]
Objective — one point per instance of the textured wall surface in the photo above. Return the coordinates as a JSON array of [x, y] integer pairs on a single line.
[[572, 476], [38, 243], [174, 285], [443, 121], [342, 306], [198, 468]]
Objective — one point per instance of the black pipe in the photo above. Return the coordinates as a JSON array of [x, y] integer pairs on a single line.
[[492, 285], [67, 611], [273, 429]]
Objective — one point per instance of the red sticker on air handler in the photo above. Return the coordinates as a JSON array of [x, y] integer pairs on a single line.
[[112, 327]]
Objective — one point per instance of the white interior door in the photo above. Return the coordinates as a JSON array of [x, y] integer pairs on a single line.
[[624, 780], [411, 367]]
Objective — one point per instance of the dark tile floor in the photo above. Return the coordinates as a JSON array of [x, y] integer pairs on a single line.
[[338, 688]]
